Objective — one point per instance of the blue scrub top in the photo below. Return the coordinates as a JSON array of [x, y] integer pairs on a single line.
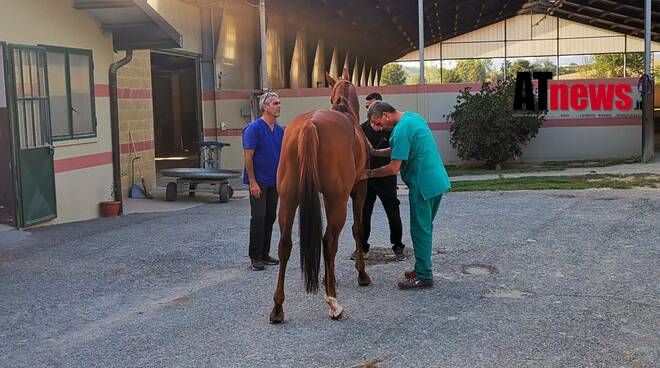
[[267, 145]]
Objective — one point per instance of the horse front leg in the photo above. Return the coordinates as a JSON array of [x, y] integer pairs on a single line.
[[359, 196], [336, 217], [286, 216]]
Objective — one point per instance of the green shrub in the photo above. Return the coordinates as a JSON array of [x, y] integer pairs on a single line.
[[484, 126]]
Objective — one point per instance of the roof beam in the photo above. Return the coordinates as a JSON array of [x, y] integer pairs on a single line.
[[102, 4], [602, 12], [612, 25]]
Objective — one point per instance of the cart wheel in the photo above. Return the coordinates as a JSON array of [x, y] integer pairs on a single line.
[[224, 193], [193, 187], [231, 191], [170, 192]]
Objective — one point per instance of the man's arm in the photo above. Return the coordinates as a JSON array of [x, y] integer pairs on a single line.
[[388, 170], [255, 191], [383, 152]]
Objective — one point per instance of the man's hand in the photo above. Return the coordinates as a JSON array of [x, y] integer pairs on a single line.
[[255, 191]]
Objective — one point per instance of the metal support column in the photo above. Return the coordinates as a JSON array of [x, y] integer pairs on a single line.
[[625, 55], [420, 4], [262, 25], [648, 134]]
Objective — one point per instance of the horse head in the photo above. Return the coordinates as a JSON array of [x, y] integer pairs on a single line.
[[344, 96]]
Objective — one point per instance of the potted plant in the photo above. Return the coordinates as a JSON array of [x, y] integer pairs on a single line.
[[110, 208]]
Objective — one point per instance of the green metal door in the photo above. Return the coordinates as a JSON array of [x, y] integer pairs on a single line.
[[32, 137]]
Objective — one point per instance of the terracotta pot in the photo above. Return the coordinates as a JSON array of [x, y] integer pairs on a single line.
[[110, 208]]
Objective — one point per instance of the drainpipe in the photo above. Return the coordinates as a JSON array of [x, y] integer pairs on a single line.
[[114, 127]]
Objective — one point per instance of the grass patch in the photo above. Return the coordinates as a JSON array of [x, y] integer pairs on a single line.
[[480, 169], [560, 182]]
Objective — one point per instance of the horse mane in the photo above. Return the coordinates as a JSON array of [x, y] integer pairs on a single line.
[[342, 102]]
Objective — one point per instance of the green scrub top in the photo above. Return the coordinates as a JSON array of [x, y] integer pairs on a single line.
[[422, 168]]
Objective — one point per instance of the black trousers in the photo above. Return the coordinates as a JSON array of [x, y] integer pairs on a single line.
[[263, 211], [385, 189]]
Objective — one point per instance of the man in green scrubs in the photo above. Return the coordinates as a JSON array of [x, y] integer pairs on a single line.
[[414, 153]]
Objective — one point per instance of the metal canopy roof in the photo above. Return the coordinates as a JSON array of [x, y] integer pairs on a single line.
[[384, 30], [134, 24]]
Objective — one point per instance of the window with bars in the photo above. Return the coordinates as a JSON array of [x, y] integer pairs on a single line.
[[31, 97], [71, 91]]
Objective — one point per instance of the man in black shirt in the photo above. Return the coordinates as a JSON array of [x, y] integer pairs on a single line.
[[383, 188]]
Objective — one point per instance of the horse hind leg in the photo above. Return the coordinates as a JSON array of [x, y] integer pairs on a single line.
[[359, 196], [286, 216], [336, 218]]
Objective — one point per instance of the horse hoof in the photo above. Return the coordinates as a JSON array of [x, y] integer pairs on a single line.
[[277, 315], [339, 317], [364, 279]]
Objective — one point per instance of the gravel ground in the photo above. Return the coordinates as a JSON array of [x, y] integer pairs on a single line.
[[542, 278]]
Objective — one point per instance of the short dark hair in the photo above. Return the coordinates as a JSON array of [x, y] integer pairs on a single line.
[[374, 96], [378, 108]]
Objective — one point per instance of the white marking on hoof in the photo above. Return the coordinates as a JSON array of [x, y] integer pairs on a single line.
[[335, 309]]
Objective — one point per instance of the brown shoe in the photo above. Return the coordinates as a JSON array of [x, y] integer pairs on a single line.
[[410, 274], [409, 284], [271, 261], [257, 265]]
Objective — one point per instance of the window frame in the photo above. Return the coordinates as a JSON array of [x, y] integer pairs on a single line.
[[23, 133], [66, 51]]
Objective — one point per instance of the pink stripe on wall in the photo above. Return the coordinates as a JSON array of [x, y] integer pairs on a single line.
[[103, 90], [208, 95], [592, 122], [139, 146], [444, 126], [82, 162], [439, 126], [213, 132], [133, 94], [571, 123], [232, 95]]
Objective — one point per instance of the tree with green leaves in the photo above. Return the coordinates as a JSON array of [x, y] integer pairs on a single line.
[[611, 65], [484, 126], [472, 70], [393, 75], [523, 65], [431, 74]]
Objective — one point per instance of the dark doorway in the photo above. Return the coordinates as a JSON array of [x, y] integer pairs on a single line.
[[176, 105]]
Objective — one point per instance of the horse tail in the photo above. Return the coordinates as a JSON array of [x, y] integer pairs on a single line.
[[310, 207]]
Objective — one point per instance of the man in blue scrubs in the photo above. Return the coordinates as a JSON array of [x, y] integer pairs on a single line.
[[413, 152], [262, 143]]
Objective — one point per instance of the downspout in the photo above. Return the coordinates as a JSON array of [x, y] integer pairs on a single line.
[[114, 128]]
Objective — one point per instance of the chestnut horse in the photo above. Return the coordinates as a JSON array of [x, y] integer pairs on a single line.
[[324, 152]]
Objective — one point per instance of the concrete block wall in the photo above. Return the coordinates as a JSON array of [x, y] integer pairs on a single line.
[[136, 118]]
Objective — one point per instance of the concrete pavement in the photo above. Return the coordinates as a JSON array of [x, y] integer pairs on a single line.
[[524, 279]]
